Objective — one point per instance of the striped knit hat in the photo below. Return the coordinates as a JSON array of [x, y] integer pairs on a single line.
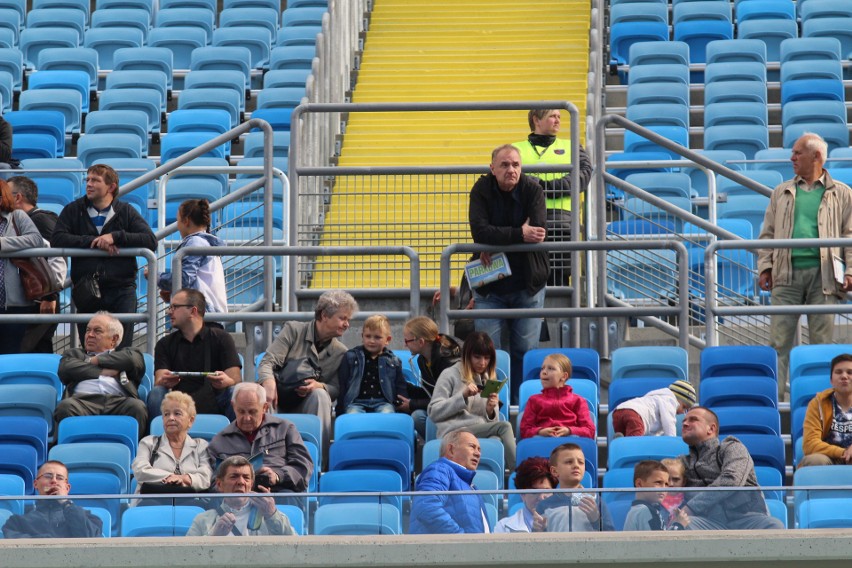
[[684, 392]]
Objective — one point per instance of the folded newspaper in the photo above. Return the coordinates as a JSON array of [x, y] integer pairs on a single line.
[[479, 275]]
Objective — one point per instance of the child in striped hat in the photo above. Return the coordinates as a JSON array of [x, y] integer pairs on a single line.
[[655, 413]]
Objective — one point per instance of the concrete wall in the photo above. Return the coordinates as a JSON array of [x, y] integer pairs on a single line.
[[825, 548]]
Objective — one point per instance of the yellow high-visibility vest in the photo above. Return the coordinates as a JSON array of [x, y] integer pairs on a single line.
[[557, 153]]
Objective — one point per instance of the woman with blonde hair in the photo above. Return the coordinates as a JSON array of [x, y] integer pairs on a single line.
[[435, 352], [173, 460], [457, 403]]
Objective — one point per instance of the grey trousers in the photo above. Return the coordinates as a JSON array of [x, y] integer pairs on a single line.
[[97, 404], [502, 431], [750, 521], [317, 402]]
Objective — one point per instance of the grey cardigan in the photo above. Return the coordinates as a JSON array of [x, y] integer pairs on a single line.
[[11, 241], [449, 410]]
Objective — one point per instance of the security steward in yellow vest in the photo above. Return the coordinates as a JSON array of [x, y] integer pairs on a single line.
[[543, 147]]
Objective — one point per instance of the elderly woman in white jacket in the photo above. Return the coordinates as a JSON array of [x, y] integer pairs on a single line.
[[174, 458], [17, 232], [533, 473], [456, 402]]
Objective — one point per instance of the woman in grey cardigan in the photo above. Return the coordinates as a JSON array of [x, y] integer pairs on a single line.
[[456, 402], [17, 232]]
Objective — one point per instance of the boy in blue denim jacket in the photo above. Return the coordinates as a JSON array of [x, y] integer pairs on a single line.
[[371, 378]]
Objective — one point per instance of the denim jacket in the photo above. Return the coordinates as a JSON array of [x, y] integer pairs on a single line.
[[352, 371]]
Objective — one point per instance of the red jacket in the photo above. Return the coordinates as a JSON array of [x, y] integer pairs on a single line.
[[557, 407]]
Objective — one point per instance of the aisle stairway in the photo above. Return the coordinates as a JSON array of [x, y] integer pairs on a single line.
[[443, 51]]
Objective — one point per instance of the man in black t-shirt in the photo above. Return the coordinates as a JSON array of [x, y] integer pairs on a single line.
[[195, 347]]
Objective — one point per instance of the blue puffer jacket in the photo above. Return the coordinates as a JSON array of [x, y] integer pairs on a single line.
[[352, 371], [445, 514]]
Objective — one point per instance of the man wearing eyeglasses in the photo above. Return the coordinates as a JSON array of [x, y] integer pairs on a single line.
[[102, 379], [53, 518], [195, 347]]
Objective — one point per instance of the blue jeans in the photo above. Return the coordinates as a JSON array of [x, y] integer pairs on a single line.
[[362, 405], [523, 332], [157, 394], [419, 417]]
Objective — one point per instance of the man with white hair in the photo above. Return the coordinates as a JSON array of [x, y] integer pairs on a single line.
[[287, 465], [102, 378], [811, 205]]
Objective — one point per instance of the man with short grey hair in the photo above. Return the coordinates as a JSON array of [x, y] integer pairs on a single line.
[[102, 379], [287, 464], [299, 369], [811, 205]]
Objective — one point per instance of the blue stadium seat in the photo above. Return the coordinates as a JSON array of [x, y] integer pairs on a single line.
[[640, 227], [357, 482], [104, 428], [663, 114], [825, 514], [24, 430], [11, 485], [107, 40], [638, 13], [179, 143], [158, 520], [812, 69], [80, 5], [63, 80], [105, 517], [251, 18], [659, 73], [394, 455], [796, 112], [738, 361], [765, 10], [226, 58], [205, 426], [179, 189], [20, 460], [650, 361], [818, 9], [702, 10], [768, 178], [217, 121], [214, 98], [12, 61], [822, 476], [396, 426], [836, 135], [95, 148], [735, 91], [57, 18], [735, 71], [296, 517], [698, 33], [773, 32], [814, 360], [218, 79], [774, 159], [656, 271], [812, 90], [19, 6], [28, 400], [634, 142], [35, 40], [357, 519], [292, 57], [27, 146], [258, 40], [747, 138], [144, 100], [306, 16], [308, 425], [180, 41], [253, 145], [628, 451], [737, 420], [280, 119], [53, 168], [736, 113], [810, 48], [749, 207], [109, 4], [769, 477], [626, 389], [301, 35], [765, 449], [133, 122], [145, 58], [624, 35], [209, 5], [71, 59], [664, 185], [140, 79], [653, 52], [803, 389], [618, 478], [585, 363], [698, 178], [186, 18], [136, 18], [253, 4], [97, 483], [109, 457], [735, 50], [286, 78]]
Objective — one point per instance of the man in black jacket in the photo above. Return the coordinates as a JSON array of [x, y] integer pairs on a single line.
[[102, 379], [39, 337], [99, 220], [53, 518], [507, 208]]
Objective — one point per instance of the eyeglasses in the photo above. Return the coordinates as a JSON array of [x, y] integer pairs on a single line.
[[52, 476], [407, 341], [173, 307]]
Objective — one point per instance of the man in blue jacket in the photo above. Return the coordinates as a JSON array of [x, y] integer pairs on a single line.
[[454, 471]]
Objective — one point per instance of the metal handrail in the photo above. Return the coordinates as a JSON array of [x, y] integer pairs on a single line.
[[681, 310]]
